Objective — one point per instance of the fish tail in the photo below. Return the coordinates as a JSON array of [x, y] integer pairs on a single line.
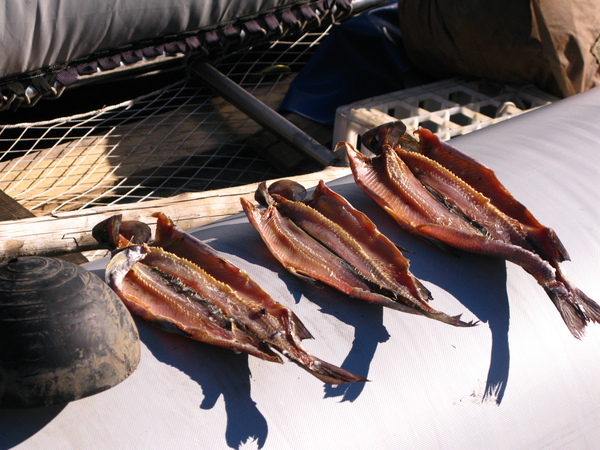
[[412, 306], [575, 307], [451, 320], [327, 372], [299, 328], [423, 309]]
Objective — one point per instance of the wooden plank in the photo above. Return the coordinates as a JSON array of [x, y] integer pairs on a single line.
[[12, 211], [70, 231]]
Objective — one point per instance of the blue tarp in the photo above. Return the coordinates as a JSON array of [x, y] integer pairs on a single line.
[[361, 58]]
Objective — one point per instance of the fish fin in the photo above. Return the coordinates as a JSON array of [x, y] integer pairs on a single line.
[[424, 293], [421, 310], [251, 345], [560, 249], [431, 313], [416, 230], [451, 320], [422, 232], [575, 307], [300, 329], [405, 278], [380, 299], [304, 277], [120, 264], [166, 325], [547, 244], [403, 250], [327, 372]]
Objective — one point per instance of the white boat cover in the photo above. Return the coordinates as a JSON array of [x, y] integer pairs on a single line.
[[518, 380]]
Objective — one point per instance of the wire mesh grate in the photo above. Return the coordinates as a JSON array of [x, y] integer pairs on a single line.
[[179, 138]]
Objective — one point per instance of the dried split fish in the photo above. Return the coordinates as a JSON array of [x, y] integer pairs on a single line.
[[183, 285], [327, 240], [449, 199]]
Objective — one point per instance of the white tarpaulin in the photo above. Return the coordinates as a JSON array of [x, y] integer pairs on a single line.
[[428, 380]]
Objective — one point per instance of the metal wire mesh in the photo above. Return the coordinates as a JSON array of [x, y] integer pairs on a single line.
[[177, 139]]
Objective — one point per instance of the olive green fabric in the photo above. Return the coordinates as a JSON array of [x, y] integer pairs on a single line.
[[545, 42]]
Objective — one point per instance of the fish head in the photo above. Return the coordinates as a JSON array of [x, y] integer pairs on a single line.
[[115, 233], [135, 231], [106, 232], [388, 134], [120, 264], [288, 189], [261, 195]]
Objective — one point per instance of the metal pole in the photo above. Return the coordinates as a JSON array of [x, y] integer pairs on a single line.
[[262, 114]]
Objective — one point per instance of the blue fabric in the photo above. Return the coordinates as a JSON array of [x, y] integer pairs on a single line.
[[361, 58]]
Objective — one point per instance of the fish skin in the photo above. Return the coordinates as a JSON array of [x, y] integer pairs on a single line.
[[389, 181], [545, 241], [174, 293], [464, 199], [310, 245], [515, 235], [339, 241]]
